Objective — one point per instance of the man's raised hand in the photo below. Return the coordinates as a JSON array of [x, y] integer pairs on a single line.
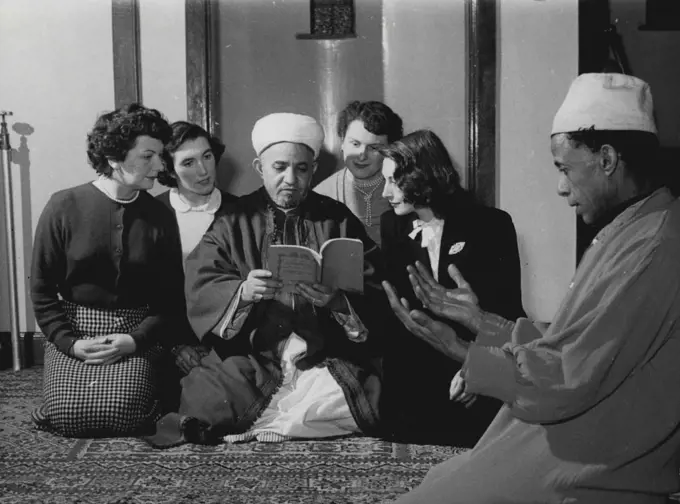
[[438, 334], [460, 304]]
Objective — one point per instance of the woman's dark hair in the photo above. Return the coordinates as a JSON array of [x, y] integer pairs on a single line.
[[183, 131], [377, 117], [638, 149], [425, 172], [114, 134]]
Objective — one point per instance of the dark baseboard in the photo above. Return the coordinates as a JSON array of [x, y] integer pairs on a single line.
[[31, 347]]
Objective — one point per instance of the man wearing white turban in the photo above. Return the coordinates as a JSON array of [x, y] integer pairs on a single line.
[[284, 364], [591, 411]]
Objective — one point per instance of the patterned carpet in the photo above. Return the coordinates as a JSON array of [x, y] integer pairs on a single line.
[[36, 467]]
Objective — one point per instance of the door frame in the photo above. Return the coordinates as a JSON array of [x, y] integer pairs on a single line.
[[126, 59]]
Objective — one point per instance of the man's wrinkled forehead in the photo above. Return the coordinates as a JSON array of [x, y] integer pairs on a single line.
[[287, 153]]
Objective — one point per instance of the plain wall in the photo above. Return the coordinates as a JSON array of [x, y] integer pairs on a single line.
[[163, 56], [425, 58], [162, 42], [57, 76], [537, 60]]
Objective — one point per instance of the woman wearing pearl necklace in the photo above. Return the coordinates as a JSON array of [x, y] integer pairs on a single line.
[[363, 128], [107, 284]]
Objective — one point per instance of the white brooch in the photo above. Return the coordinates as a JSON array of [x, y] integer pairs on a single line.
[[456, 248]]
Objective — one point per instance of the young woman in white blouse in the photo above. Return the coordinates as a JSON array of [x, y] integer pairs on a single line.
[[191, 160], [191, 173]]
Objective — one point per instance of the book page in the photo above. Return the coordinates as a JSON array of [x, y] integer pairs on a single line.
[[292, 264], [343, 264]]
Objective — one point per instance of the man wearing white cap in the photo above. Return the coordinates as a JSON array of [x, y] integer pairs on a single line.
[[592, 413], [284, 364]]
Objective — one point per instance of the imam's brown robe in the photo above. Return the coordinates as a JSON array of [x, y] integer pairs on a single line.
[[231, 388]]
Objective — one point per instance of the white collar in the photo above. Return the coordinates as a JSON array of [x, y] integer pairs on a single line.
[[180, 205], [428, 230]]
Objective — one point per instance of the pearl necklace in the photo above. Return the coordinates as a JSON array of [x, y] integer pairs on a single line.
[[111, 197], [367, 194]]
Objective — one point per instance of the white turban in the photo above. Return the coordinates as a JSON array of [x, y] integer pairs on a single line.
[[606, 101], [287, 127]]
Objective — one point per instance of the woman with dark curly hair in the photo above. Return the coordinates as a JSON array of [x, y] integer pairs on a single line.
[[107, 284], [434, 224]]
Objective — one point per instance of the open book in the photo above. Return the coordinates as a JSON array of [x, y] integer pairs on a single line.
[[339, 264]]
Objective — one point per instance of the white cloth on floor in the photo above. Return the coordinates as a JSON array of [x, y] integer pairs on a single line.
[[309, 404]]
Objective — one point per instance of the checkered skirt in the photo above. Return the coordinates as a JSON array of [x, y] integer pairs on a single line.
[[82, 400]]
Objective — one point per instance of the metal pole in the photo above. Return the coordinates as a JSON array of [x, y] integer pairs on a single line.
[[6, 166]]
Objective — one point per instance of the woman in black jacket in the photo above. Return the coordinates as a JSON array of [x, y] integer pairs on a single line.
[[437, 223]]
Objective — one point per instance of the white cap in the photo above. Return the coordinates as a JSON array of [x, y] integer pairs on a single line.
[[287, 127], [606, 101]]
